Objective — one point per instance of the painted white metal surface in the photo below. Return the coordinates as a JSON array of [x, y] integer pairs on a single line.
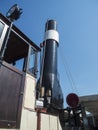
[[28, 120], [29, 115], [29, 96], [9, 129], [52, 34], [50, 122]]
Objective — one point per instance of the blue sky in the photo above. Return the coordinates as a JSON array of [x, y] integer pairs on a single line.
[[78, 28]]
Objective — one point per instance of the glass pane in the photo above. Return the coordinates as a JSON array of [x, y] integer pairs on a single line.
[[1, 28], [31, 61], [19, 64]]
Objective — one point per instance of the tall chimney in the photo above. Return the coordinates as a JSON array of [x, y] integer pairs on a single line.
[[52, 89]]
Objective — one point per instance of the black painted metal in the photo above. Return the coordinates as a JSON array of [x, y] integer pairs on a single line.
[[49, 79], [51, 24]]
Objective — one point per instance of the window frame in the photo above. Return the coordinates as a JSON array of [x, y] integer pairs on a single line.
[[1, 28], [34, 72], [3, 34]]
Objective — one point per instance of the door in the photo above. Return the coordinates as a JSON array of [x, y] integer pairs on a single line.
[[11, 93]]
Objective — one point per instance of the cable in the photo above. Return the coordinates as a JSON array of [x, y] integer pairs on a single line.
[[68, 73]]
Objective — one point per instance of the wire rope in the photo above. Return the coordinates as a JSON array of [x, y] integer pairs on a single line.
[[68, 72]]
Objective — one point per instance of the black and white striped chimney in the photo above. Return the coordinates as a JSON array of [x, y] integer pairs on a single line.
[[51, 42], [50, 83]]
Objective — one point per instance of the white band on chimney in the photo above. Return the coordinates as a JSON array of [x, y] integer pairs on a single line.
[[52, 34]]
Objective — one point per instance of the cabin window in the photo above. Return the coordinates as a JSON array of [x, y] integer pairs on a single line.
[[19, 64], [17, 56], [21, 55], [1, 28], [16, 52], [32, 62], [3, 31]]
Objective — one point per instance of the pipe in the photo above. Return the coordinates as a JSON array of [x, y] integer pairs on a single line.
[[53, 93], [38, 119]]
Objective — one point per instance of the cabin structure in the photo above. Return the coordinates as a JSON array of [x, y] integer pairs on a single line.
[[18, 72]]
